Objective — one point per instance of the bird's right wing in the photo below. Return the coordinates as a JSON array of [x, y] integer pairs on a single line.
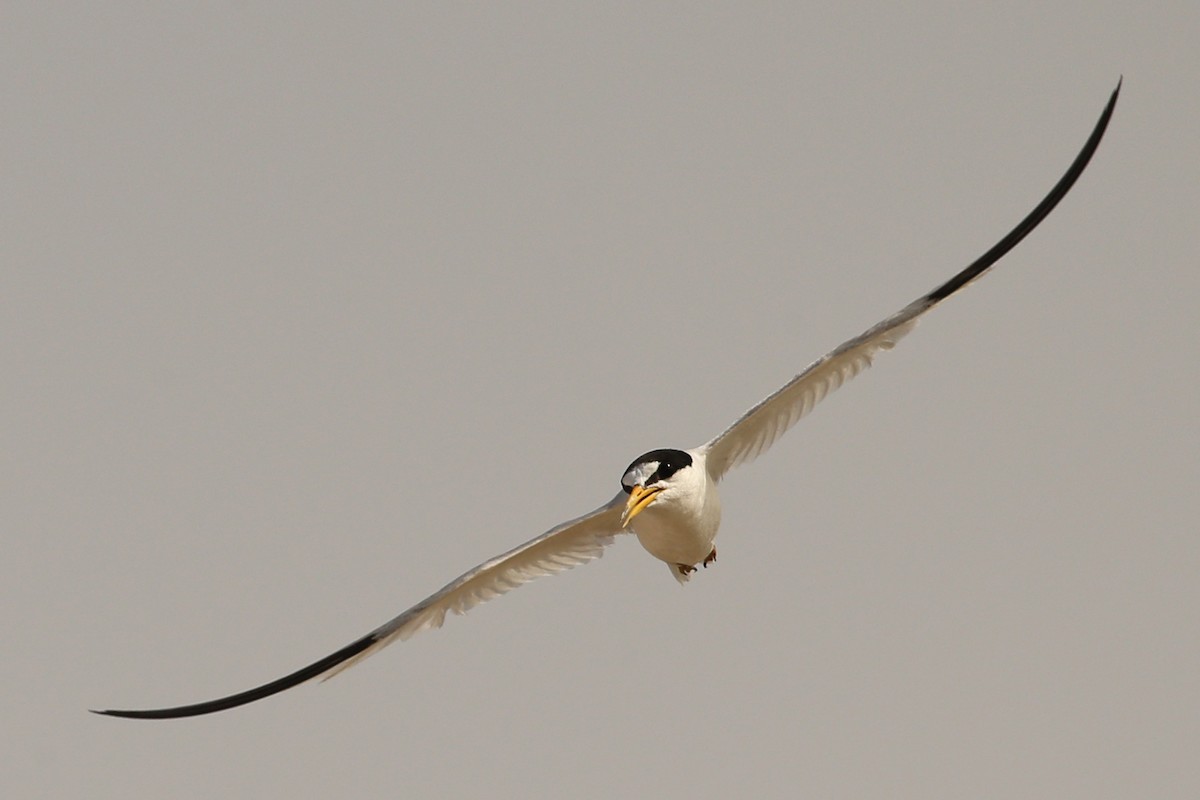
[[568, 545], [756, 430]]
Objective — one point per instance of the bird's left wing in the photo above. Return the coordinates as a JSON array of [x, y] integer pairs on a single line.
[[762, 425], [570, 544]]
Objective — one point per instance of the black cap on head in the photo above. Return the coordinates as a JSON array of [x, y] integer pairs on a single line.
[[669, 462]]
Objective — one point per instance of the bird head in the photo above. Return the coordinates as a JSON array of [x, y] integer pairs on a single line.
[[654, 477]]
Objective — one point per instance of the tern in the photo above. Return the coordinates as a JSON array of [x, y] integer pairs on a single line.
[[668, 497]]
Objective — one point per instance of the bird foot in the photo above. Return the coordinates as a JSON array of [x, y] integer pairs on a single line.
[[711, 557], [684, 569]]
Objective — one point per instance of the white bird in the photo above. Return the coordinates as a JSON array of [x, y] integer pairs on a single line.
[[668, 497]]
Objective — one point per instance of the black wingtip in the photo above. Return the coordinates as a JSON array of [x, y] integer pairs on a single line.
[[1031, 221], [249, 696]]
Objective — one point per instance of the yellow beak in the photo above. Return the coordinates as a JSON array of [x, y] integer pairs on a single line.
[[639, 499]]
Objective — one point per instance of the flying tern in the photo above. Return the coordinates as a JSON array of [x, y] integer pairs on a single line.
[[668, 497]]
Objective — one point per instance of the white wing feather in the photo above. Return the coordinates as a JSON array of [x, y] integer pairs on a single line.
[[568, 545], [760, 427]]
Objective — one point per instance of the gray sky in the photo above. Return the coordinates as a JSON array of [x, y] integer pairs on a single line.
[[306, 312]]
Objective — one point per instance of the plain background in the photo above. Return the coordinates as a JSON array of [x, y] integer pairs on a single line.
[[305, 312]]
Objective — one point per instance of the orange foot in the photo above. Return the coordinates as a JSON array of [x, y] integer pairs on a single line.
[[684, 569], [711, 557]]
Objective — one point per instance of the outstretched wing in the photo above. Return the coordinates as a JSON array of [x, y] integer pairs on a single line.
[[762, 425], [575, 542]]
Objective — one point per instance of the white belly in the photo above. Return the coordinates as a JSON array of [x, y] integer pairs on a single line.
[[676, 538]]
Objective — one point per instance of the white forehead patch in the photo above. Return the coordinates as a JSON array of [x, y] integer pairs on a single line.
[[639, 473]]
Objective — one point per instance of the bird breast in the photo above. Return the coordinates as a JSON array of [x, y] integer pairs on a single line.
[[680, 533]]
